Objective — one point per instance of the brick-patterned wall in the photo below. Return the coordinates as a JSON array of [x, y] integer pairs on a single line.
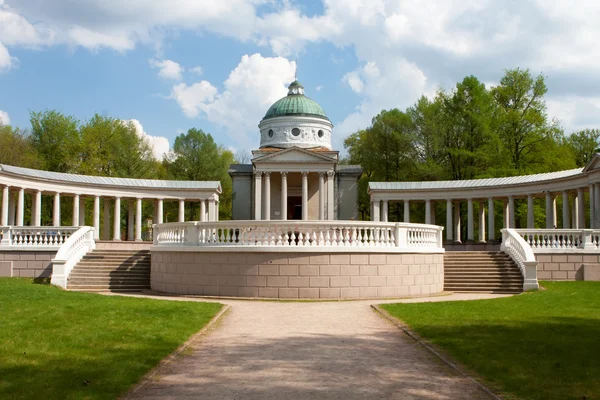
[[297, 275], [30, 264], [564, 267]]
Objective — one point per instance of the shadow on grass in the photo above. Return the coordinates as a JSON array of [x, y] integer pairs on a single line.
[[543, 358]]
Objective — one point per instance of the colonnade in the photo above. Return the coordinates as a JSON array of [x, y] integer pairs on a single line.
[[573, 212], [262, 195], [13, 211]]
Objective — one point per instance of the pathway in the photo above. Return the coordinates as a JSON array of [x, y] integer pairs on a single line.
[[321, 350]]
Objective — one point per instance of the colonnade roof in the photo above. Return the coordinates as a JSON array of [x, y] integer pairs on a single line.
[[476, 183], [61, 177]]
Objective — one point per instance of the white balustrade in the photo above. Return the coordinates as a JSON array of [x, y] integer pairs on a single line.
[[34, 238], [69, 254], [561, 240], [520, 251], [385, 236]]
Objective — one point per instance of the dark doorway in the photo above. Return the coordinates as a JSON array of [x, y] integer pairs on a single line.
[[294, 210]]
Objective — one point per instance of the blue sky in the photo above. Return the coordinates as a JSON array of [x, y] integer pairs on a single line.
[[218, 65]]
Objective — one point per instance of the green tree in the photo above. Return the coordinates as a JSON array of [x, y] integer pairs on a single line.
[[196, 156], [56, 139], [521, 116], [16, 148], [584, 144]]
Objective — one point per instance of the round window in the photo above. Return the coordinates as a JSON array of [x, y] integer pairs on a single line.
[[296, 132], [271, 133], [320, 133]]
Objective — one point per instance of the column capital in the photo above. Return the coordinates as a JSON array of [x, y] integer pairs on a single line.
[[304, 173], [267, 174], [330, 174], [284, 174], [257, 174], [212, 200]]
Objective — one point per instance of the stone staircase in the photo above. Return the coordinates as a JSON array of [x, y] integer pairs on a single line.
[[482, 272], [104, 270]]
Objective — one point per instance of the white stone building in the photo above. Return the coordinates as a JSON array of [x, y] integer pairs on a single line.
[[295, 174]]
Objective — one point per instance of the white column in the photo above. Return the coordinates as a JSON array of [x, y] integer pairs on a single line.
[[384, 211], [491, 220], [159, 211], [321, 196], [130, 220], [56, 210], [181, 216], [511, 212], [138, 219], [406, 211], [592, 202], [580, 209], [530, 215], [330, 206], [505, 214], [106, 230], [481, 222], [554, 214], [549, 211], [81, 211], [284, 196], [21, 208], [376, 210], [574, 213], [304, 196], [596, 206], [267, 202], [75, 216], [12, 209], [117, 220], [257, 195], [457, 221], [449, 227], [428, 211], [211, 209], [5, 204], [217, 202], [566, 223], [96, 217], [202, 210], [37, 209], [470, 229], [432, 213]]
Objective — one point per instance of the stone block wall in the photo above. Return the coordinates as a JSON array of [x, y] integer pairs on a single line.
[[564, 267], [29, 264], [297, 275]]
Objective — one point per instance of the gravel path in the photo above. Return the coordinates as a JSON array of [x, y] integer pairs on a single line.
[[324, 350]]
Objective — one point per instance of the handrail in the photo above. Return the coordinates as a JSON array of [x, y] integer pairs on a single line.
[[522, 254], [35, 237], [299, 234], [543, 240], [70, 253]]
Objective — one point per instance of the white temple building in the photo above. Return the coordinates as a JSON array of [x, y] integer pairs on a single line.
[[295, 173]]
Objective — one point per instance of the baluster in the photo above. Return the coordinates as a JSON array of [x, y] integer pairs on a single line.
[[359, 236], [293, 239]]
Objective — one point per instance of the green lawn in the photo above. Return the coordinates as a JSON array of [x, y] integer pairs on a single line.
[[540, 345], [64, 345]]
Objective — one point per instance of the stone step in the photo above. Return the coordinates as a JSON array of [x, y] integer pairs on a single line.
[[109, 282], [475, 289], [109, 288], [120, 274], [112, 263]]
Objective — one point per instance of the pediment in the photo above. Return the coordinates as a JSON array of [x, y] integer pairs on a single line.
[[594, 163], [295, 155]]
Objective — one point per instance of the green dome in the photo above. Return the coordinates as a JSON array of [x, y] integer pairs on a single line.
[[295, 103]]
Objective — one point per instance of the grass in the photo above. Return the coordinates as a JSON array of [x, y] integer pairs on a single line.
[[540, 345], [65, 345]]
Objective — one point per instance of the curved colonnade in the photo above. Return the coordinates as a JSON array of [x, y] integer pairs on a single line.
[[15, 182], [571, 185]]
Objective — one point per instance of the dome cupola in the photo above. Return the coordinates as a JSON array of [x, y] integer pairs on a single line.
[[295, 120]]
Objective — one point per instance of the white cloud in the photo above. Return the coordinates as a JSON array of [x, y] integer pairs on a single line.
[[160, 144], [319, 87], [193, 98], [4, 118], [6, 60], [197, 70], [574, 112], [168, 69], [255, 84]]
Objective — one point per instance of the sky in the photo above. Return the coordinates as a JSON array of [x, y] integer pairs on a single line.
[[218, 65]]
